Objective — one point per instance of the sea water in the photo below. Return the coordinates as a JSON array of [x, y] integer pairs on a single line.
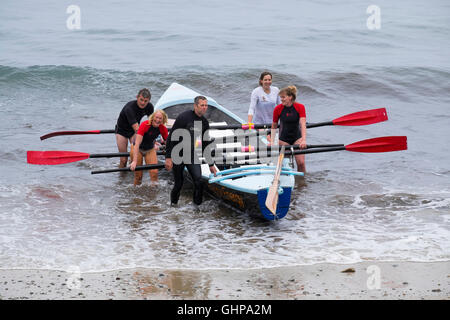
[[72, 65]]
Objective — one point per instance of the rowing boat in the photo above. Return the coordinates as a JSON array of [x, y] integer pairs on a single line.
[[243, 187]]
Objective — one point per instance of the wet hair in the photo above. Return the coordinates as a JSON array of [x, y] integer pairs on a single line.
[[198, 98], [290, 91], [145, 93], [261, 77], [164, 115]]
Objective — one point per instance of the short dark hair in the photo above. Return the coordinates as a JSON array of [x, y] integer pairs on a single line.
[[145, 93], [198, 98]]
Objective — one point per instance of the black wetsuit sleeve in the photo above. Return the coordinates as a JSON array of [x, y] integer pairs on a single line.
[[170, 144], [131, 116], [206, 141]]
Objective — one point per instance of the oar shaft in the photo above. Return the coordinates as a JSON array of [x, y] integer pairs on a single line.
[[118, 154], [274, 153], [138, 168], [109, 155], [353, 119], [274, 148], [319, 150], [70, 133], [319, 124]]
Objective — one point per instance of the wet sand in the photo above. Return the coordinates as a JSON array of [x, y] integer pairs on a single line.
[[367, 280]]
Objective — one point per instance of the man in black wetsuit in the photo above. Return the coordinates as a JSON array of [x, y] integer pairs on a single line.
[[189, 121], [129, 119]]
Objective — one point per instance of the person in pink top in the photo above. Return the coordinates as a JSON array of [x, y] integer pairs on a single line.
[[145, 146], [292, 118]]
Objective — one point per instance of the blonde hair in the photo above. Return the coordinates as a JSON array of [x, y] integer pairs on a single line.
[[290, 91], [164, 115]]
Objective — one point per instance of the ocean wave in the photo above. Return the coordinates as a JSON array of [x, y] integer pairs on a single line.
[[403, 83]]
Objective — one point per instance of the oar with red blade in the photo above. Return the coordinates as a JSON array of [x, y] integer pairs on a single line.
[[60, 157], [381, 144], [359, 118], [354, 119]]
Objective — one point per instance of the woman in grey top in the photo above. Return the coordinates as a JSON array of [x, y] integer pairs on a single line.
[[263, 100]]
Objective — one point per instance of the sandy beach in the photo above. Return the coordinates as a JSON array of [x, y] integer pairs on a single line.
[[367, 280]]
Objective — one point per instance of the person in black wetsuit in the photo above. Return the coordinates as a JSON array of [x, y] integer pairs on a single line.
[[292, 118], [129, 119], [189, 121]]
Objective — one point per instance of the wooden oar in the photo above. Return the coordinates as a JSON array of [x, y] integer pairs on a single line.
[[69, 133], [272, 194], [354, 119], [381, 144], [60, 157], [138, 168]]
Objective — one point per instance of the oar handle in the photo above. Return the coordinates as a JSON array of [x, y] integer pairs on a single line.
[[138, 168]]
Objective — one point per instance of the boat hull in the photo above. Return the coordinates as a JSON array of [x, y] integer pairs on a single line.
[[249, 203]]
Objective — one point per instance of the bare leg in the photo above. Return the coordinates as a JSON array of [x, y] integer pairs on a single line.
[[122, 146], [150, 158], [299, 158], [138, 174]]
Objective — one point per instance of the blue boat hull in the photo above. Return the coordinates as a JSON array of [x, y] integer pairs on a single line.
[[253, 204]]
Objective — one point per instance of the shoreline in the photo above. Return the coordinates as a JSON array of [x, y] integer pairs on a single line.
[[365, 280]]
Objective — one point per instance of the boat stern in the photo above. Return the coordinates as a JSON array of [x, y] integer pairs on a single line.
[[284, 200]]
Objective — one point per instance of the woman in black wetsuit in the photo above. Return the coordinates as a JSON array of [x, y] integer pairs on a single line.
[[292, 118]]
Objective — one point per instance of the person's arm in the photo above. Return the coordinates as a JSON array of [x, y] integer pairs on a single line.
[[302, 123], [213, 170], [135, 127], [135, 147], [205, 142], [132, 121], [303, 131], [276, 117], [251, 109], [164, 132], [170, 144], [273, 132]]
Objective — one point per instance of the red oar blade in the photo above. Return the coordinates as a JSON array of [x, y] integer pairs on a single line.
[[382, 144], [54, 157], [361, 118]]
